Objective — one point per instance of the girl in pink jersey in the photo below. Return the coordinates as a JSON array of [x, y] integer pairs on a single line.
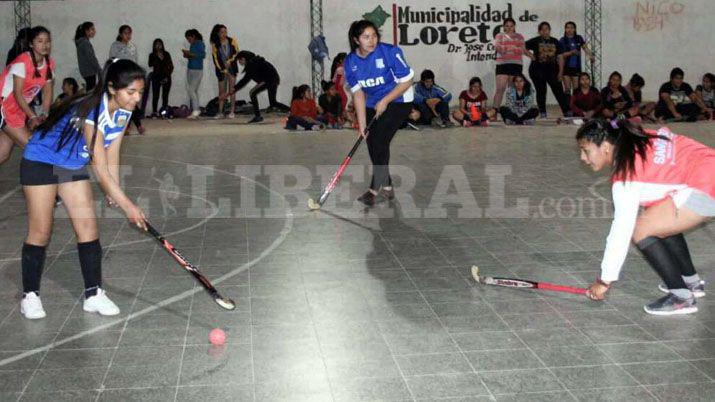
[[22, 79], [671, 177], [510, 50]]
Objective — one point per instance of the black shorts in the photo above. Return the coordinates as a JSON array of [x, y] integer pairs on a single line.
[[572, 71], [39, 174], [509, 69]]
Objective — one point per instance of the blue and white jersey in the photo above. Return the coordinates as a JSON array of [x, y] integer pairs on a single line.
[[75, 155], [379, 73]]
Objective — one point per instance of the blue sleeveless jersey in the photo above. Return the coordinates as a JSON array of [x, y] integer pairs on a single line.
[[379, 73], [75, 155]]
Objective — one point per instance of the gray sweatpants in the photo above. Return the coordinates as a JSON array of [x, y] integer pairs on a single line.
[[193, 81]]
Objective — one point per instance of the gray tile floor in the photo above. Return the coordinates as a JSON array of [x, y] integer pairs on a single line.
[[345, 304]]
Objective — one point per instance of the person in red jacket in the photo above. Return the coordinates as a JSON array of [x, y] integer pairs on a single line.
[[303, 110], [585, 100], [670, 176]]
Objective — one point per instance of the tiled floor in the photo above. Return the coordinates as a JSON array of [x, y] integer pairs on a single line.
[[345, 304]]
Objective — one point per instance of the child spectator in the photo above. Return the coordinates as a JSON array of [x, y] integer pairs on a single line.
[[472, 99], [586, 100], [303, 110], [678, 101], [572, 44], [634, 88], [706, 92], [69, 89], [160, 60], [520, 108], [330, 105], [194, 69], [616, 100], [432, 101]]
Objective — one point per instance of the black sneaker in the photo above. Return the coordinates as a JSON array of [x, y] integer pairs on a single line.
[[255, 119], [368, 198], [671, 305]]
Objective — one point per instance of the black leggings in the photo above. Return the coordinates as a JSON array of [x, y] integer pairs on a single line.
[[542, 74], [379, 138], [156, 86], [272, 88]]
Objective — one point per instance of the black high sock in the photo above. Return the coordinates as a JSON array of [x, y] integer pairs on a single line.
[[33, 261], [90, 259], [679, 250], [662, 261]]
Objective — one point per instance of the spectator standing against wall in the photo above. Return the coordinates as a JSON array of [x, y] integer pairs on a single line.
[[194, 69], [87, 62], [546, 68]]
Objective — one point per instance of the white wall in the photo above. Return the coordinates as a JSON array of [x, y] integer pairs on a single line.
[[279, 30]]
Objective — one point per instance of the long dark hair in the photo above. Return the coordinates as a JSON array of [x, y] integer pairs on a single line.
[[299, 91], [153, 45], [629, 140], [527, 84], [214, 34], [122, 29], [193, 32], [36, 31], [82, 28], [357, 28], [117, 73], [22, 41], [337, 61], [575, 32]]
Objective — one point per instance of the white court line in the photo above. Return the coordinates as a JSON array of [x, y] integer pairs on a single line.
[[287, 227], [9, 194]]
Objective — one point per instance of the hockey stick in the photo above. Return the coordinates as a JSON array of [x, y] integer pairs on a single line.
[[312, 204], [524, 284], [224, 302]]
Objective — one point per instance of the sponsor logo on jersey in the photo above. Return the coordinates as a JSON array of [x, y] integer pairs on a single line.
[[122, 120], [379, 63], [372, 82], [354, 68]]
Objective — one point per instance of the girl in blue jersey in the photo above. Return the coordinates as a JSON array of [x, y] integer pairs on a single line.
[[381, 83], [83, 130]]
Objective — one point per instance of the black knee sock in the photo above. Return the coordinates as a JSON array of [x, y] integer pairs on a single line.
[[679, 249], [33, 261], [664, 263], [90, 259]]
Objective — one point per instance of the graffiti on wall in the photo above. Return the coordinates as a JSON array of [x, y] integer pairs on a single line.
[[653, 15]]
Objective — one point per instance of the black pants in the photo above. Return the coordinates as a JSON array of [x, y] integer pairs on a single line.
[[379, 138], [90, 82], [272, 88], [508, 114], [542, 74], [426, 114], [156, 86], [295, 121], [690, 111]]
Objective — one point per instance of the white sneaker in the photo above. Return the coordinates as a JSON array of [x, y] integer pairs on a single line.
[[698, 288], [194, 115], [231, 115], [31, 307], [101, 304]]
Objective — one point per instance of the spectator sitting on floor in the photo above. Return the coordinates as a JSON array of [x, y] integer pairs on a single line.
[[432, 101], [303, 110], [470, 101], [585, 100], [634, 88], [330, 105], [520, 106], [678, 101], [69, 89], [706, 92], [616, 101]]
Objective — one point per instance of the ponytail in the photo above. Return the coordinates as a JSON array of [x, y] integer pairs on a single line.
[[299, 91], [628, 140], [119, 73], [82, 28]]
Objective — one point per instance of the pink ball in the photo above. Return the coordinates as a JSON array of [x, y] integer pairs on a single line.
[[217, 337]]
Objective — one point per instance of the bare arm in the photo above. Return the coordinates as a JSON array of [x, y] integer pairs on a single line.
[[47, 97], [18, 85], [698, 100], [105, 163], [360, 109]]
